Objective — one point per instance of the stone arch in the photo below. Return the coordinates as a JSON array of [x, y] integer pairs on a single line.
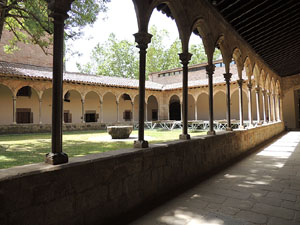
[[6, 99], [237, 57], [202, 106], [234, 105], [174, 108], [47, 106], [91, 107], [109, 108], [152, 108], [256, 73], [220, 105], [125, 107], [27, 105], [191, 107], [72, 106]]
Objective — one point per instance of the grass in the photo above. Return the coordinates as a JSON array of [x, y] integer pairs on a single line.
[[22, 149]]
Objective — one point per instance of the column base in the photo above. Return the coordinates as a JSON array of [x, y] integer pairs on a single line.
[[241, 127], [184, 137], [211, 132], [56, 158], [141, 144], [229, 129], [250, 125]]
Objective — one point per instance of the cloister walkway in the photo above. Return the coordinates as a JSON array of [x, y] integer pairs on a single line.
[[263, 188]]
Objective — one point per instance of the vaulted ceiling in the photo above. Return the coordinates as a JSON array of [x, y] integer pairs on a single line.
[[271, 28]]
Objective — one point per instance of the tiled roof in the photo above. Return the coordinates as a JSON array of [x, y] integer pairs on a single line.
[[29, 71]]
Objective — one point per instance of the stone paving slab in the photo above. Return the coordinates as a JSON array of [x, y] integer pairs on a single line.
[[263, 188]]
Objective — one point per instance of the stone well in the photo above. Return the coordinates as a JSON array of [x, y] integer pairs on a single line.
[[119, 132]]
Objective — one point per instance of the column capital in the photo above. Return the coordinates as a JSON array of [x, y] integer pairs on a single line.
[[210, 69], [249, 85], [82, 101], [185, 57], [143, 39], [264, 91], [257, 89], [227, 76], [59, 9], [240, 82]]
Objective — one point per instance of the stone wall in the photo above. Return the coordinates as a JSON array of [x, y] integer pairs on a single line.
[[94, 188]]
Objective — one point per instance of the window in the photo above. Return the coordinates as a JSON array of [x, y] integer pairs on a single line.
[[127, 115], [24, 115], [67, 116], [24, 91], [91, 116]]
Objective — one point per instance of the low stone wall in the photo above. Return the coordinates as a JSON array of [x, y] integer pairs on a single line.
[[43, 128], [94, 188]]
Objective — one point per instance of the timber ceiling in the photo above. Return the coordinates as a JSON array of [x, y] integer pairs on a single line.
[[271, 28]]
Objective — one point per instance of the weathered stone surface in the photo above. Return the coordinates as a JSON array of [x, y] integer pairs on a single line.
[[119, 132]]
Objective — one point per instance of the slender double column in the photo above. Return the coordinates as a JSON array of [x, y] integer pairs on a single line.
[[227, 77], [210, 69], [274, 108], [249, 85], [82, 111], [59, 14], [257, 91], [132, 109], [101, 111], [143, 39], [14, 109], [40, 111], [269, 106], [118, 116], [241, 110], [146, 112], [185, 57], [279, 111], [264, 105]]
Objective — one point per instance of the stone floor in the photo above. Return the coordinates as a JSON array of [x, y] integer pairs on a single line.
[[264, 188]]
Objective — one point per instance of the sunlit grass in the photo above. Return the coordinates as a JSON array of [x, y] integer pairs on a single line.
[[22, 149]]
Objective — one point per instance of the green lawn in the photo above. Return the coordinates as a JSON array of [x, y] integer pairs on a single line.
[[22, 149]]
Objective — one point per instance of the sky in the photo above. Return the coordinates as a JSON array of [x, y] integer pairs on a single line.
[[121, 20]]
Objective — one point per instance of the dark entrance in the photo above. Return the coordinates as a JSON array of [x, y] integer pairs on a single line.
[[24, 115], [175, 112]]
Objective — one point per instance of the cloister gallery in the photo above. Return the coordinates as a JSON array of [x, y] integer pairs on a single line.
[[256, 83]]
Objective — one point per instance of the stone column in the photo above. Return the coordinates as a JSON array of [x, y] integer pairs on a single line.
[[274, 108], [82, 111], [101, 111], [264, 106], [249, 85], [257, 90], [146, 112], [185, 57], [227, 77], [59, 13], [241, 110], [118, 117], [40, 111], [210, 72], [14, 110], [196, 111], [132, 108], [143, 39], [269, 105], [278, 114]]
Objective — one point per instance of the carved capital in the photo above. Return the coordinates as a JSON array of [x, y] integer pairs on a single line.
[[257, 89], [227, 77], [210, 69], [59, 9], [143, 39], [249, 85], [240, 82], [185, 57]]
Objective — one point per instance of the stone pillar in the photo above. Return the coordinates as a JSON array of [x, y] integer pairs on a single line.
[[132, 108], [257, 90], [82, 111], [241, 110], [210, 72], [227, 77], [264, 106], [59, 13], [278, 114], [269, 106], [40, 111], [185, 57], [196, 111], [101, 111], [169, 111], [143, 39], [274, 108], [14, 110], [146, 112], [118, 116], [249, 85]]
